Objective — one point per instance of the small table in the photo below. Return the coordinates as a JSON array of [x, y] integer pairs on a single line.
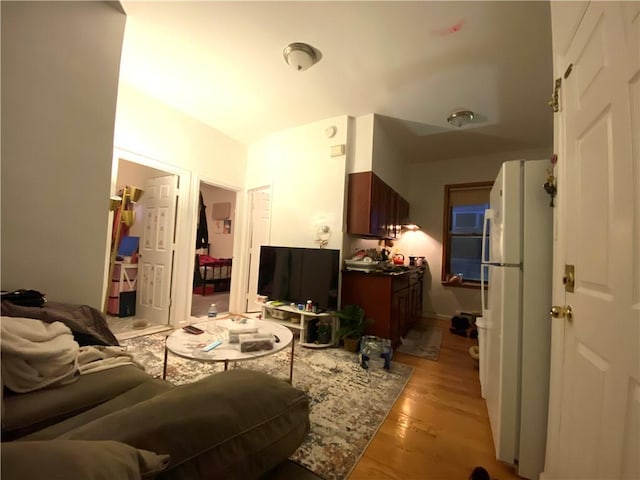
[[190, 346]]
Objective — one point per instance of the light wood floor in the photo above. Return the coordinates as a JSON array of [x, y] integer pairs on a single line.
[[439, 427]]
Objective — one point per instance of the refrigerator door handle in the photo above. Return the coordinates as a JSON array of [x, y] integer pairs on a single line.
[[488, 216], [482, 289]]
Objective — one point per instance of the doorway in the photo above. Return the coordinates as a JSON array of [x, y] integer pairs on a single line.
[[127, 313], [213, 264]]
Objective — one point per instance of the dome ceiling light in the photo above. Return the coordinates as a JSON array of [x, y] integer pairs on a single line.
[[460, 118], [301, 56]]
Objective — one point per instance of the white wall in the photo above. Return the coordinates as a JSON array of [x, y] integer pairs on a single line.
[[426, 196], [156, 131], [308, 185], [221, 244], [153, 129], [388, 163], [60, 64], [361, 138]]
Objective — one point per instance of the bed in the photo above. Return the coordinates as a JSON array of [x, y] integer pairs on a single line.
[[211, 271]]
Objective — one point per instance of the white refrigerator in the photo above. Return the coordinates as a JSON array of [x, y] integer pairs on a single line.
[[515, 329]]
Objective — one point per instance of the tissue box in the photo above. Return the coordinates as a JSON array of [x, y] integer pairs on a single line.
[[236, 330], [255, 342]]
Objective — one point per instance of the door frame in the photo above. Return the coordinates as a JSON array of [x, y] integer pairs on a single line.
[[238, 261], [180, 303], [249, 236]]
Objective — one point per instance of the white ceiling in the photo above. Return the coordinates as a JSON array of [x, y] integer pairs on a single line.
[[412, 63]]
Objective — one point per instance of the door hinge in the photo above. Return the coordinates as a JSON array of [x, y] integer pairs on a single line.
[[553, 103]]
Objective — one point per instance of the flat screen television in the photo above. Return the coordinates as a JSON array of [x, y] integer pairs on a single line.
[[293, 274]]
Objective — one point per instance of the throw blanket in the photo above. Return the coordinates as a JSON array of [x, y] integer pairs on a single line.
[[88, 325], [36, 354]]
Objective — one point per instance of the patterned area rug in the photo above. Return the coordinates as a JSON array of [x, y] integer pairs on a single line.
[[423, 340], [348, 403]]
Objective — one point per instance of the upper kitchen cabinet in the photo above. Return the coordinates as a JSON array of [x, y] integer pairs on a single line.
[[373, 208]]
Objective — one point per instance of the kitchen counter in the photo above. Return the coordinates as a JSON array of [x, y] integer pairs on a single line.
[[393, 271]]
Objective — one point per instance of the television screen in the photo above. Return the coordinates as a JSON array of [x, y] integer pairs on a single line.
[[292, 274]]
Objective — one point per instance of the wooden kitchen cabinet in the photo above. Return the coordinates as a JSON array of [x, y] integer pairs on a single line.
[[403, 210], [374, 208], [393, 301]]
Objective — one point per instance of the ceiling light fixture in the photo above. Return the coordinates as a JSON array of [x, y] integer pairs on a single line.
[[300, 56], [459, 118]]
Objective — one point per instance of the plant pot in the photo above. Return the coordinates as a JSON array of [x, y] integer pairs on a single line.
[[351, 344], [324, 336]]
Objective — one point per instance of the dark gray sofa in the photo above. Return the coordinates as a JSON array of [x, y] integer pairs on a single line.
[[122, 423]]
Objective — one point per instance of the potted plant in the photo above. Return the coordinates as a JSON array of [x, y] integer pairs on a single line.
[[352, 326], [324, 332]]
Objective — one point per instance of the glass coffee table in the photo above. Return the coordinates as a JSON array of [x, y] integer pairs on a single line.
[[190, 346]]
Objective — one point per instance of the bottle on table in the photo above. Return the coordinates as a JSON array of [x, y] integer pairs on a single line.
[[212, 313]]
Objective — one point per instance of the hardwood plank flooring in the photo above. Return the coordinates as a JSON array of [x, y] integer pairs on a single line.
[[439, 427]]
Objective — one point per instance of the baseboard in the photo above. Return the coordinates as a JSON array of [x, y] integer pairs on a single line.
[[439, 316]]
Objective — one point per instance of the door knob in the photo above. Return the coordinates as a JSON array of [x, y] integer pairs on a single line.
[[564, 311]]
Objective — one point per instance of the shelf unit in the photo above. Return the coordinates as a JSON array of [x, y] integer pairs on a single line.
[[305, 322], [122, 294]]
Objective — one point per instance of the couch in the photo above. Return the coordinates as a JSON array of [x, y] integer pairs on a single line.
[[122, 423]]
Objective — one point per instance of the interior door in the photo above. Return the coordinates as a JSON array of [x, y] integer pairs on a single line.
[[595, 393], [260, 232], [157, 246]]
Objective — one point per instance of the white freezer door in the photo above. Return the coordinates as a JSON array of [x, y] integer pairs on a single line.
[[506, 215], [502, 390]]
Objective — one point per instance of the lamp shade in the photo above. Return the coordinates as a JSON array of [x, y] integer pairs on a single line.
[[114, 202], [134, 193], [128, 217]]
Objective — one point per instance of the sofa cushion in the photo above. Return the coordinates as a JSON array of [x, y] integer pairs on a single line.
[[137, 394], [80, 460], [25, 413], [234, 424]]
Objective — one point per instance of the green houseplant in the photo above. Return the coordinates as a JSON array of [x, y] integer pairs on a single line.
[[324, 332], [352, 326]]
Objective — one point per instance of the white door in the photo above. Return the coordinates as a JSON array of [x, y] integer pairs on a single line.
[[594, 421], [260, 232], [156, 247]]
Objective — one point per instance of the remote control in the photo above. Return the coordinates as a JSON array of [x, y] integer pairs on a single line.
[[193, 330], [211, 346]]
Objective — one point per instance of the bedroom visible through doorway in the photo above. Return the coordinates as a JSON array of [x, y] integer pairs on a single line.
[[213, 251]]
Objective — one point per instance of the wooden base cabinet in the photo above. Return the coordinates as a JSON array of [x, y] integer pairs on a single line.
[[393, 302]]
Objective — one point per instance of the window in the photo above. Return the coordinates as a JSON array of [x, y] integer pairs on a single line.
[[464, 206]]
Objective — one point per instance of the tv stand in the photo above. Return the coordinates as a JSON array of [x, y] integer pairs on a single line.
[[305, 322]]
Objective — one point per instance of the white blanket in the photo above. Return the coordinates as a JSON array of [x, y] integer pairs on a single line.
[[37, 354]]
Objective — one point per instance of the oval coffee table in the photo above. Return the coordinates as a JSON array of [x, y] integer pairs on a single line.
[[190, 346]]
